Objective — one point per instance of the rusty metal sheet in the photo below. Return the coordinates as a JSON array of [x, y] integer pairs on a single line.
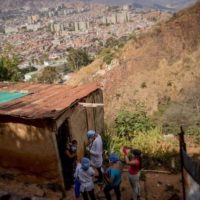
[[44, 100]]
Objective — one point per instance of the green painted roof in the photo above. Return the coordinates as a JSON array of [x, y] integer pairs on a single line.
[[9, 96]]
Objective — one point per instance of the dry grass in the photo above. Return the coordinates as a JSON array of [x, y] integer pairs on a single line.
[[85, 74]]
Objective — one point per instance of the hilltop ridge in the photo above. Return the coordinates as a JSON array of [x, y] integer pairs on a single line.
[[152, 4]]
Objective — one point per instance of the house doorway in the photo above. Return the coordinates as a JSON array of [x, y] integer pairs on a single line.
[[63, 138]]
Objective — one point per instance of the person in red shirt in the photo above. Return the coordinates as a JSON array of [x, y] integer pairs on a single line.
[[134, 171]]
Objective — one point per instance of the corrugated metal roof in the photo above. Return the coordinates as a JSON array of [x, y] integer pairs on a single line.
[[44, 100]]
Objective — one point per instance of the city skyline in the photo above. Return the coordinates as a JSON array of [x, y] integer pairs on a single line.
[[173, 5]]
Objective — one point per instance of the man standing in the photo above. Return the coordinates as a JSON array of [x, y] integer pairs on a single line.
[[95, 151]]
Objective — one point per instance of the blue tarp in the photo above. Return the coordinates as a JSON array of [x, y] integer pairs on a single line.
[[9, 96]]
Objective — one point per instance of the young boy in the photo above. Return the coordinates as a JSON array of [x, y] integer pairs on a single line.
[[85, 173], [113, 177]]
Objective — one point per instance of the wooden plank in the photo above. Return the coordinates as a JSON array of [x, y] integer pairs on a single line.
[[91, 105], [151, 171]]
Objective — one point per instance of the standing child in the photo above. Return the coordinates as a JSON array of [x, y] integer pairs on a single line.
[[85, 173], [113, 177]]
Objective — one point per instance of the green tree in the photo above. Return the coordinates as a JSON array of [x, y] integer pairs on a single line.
[[9, 70], [111, 42], [49, 75], [107, 55], [29, 68], [77, 58], [130, 124]]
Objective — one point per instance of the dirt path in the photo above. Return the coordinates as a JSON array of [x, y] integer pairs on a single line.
[[155, 187]]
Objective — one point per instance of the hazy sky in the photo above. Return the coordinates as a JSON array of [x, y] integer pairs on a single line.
[[150, 3], [143, 1]]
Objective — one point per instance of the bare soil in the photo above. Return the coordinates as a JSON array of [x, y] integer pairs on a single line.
[[157, 186]]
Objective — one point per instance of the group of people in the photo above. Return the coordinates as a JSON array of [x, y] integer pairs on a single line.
[[112, 175]]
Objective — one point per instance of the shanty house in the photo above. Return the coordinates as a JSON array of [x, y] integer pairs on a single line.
[[37, 120]]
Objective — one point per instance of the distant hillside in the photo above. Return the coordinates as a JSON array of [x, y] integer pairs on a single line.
[[155, 4], [163, 4], [33, 4], [160, 70]]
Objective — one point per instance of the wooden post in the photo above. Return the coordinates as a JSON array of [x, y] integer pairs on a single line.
[[94, 114], [86, 117], [182, 147], [182, 139], [93, 106]]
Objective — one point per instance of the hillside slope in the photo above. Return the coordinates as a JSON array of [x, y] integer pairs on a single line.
[[163, 64], [160, 69]]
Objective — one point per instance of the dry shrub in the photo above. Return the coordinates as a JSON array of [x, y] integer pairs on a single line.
[[156, 148]]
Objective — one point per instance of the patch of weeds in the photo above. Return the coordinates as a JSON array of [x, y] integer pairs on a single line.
[[143, 85], [194, 132], [133, 37], [156, 150], [158, 30], [130, 124], [107, 55], [187, 66], [187, 60], [169, 83], [142, 176], [164, 104]]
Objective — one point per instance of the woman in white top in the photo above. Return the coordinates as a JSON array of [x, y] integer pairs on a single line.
[[85, 173]]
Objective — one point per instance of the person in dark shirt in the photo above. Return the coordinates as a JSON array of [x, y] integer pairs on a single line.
[[70, 159]]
